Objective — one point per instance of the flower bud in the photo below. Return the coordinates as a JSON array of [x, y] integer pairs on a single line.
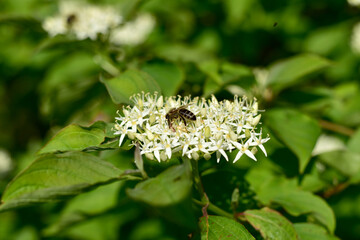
[[195, 155], [160, 102], [207, 156], [207, 132], [247, 133], [149, 156], [152, 118], [163, 156], [254, 150], [131, 135], [256, 120]]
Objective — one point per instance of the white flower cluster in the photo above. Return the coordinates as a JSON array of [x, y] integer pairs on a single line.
[[355, 39], [220, 127], [5, 163], [135, 32], [88, 21], [84, 20], [355, 3]]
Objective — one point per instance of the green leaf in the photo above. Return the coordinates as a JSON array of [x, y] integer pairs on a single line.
[[85, 206], [169, 187], [217, 227], [211, 69], [290, 71], [272, 188], [236, 11], [310, 231], [75, 137], [271, 224], [297, 131], [168, 75], [346, 162], [53, 177], [299, 202], [128, 83], [354, 142]]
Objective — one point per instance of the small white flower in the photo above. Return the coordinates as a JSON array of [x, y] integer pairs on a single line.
[[220, 127]]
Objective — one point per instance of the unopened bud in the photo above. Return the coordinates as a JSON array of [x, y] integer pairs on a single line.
[[247, 133], [149, 156], [131, 135], [163, 156], [195, 155], [207, 132], [207, 156], [254, 150], [233, 136], [160, 102], [152, 118], [256, 120]]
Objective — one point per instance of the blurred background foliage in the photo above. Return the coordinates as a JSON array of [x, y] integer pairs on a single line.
[[207, 47]]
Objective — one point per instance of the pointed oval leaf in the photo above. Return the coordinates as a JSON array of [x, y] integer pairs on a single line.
[[271, 224], [168, 75], [52, 177], [300, 202], [128, 83], [297, 131], [346, 162], [168, 188], [217, 227], [310, 231], [75, 138], [289, 71]]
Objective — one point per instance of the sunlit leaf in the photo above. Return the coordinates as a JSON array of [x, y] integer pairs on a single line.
[[272, 188], [168, 75], [86, 205], [290, 71], [271, 224], [75, 137], [129, 83], [310, 231], [53, 177], [346, 162], [297, 131], [169, 187], [299, 202], [217, 227]]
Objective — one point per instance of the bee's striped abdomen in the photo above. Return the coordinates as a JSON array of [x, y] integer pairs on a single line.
[[187, 114]]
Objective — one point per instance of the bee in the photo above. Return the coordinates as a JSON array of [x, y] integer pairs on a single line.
[[179, 113], [70, 19]]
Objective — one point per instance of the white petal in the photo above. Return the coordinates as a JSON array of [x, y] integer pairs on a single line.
[[121, 139], [238, 156], [218, 155], [168, 152], [263, 149], [224, 154], [157, 155], [185, 149], [250, 155]]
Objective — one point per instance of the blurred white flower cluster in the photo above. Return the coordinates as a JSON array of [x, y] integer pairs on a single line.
[[88, 21], [5, 163], [220, 127], [355, 3], [355, 39], [135, 32]]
